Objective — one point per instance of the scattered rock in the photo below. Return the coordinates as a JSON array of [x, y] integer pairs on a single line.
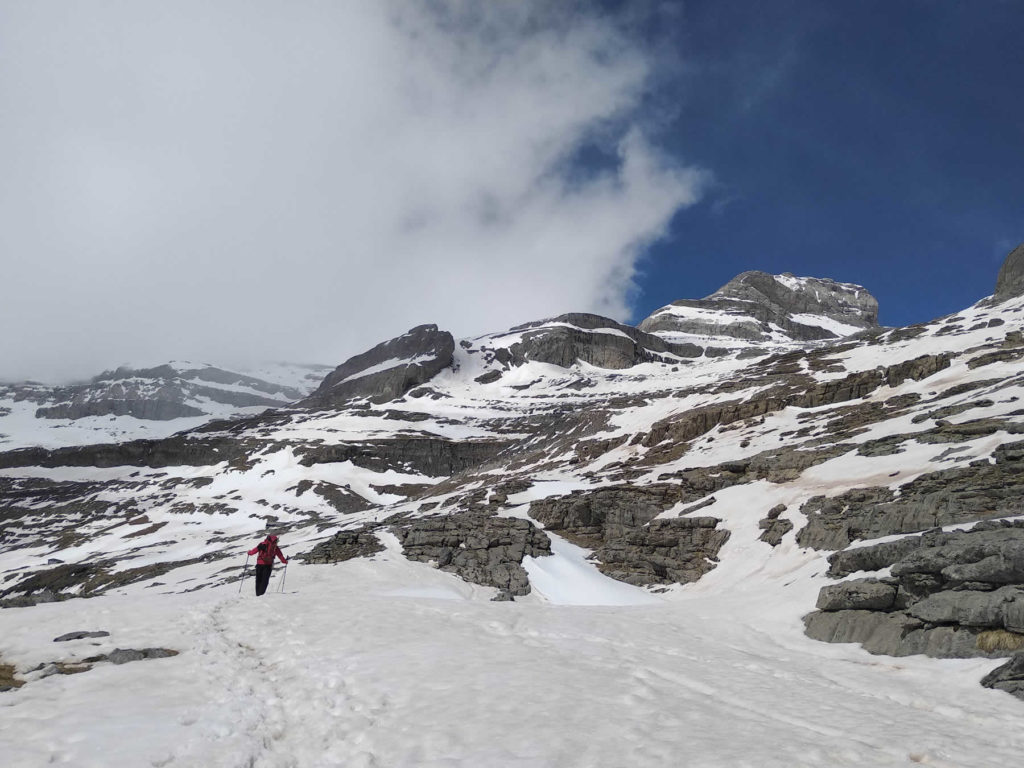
[[8, 682], [124, 655], [773, 526], [80, 635]]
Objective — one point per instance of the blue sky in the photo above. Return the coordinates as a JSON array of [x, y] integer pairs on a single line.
[[880, 143], [252, 180]]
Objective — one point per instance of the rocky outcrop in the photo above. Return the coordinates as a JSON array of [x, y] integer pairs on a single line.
[[1009, 677], [387, 371], [1010, 282], [958, 495], [431, 456], [773, 526], [667, 551], [950, 594], [579, 337], [345, 545], [180, 450], [80, 635], [480, 548], [754, 306], [619, 524], [698, 421]]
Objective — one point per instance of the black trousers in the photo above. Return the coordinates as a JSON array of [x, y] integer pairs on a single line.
[[262, 578]]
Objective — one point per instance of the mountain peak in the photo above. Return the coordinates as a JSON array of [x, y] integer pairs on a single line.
[[761, 307], [1010, 282]]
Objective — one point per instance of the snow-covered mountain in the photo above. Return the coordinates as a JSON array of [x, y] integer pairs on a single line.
[[139, 402], [572, 543]]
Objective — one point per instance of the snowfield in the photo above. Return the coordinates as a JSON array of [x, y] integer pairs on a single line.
[[386, 662]]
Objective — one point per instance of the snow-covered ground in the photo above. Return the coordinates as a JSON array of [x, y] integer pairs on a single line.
[[393, 663]]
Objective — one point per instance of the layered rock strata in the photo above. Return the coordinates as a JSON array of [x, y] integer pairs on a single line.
[[480, 548], [949, 594], [629, 544], [756, 306], [387, 371]]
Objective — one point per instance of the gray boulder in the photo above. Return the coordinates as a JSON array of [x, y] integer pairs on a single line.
[[387, 371], [1009, 677], [80, 635], [968, 607], [858, 594]]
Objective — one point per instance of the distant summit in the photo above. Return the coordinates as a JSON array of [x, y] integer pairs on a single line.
[[759, 307]]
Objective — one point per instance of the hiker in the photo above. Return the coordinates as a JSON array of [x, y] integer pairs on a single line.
[[265, 562]]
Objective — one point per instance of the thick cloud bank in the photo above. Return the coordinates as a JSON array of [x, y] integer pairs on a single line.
[[260, 180]]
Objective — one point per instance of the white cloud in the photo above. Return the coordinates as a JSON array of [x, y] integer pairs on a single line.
[[241, 181]]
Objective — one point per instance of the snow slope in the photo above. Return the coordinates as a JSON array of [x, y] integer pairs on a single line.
[[354, 665]]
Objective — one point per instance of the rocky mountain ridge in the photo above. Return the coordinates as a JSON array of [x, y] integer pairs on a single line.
[[664, 450], [158, 400], [759, 307]]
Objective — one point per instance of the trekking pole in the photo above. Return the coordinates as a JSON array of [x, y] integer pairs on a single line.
[[284, 575], [245, 569]]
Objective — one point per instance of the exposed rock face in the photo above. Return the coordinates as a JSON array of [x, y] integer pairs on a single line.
[[432, 456], [957, 594], [482, 549], [1010, 281], [629, 544], [345, 545], [959, 495], [1009, 677], [387, 371], [800, 308], [692, 424], [592, 339]]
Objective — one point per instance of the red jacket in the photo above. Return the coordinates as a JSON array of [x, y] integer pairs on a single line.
[[268, 552]]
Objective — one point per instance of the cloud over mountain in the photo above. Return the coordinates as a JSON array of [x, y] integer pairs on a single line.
[[247, 181]]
